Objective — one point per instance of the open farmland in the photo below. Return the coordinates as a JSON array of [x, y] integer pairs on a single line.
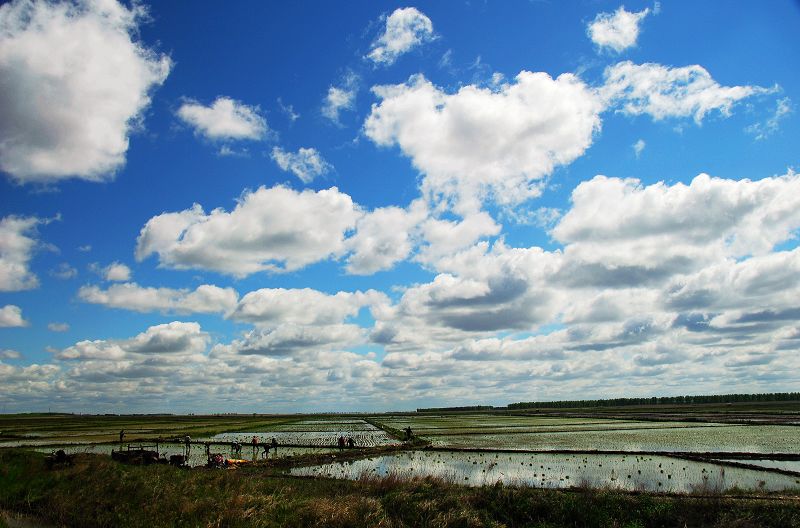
[[590, 433], [315, 433], [573, 451], [632, 473], [51, 429]]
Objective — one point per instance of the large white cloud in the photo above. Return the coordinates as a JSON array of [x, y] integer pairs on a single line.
[[73, 85], [11, 316], [270, 229], [384, 237], [479, 291], [225, 118], [206, 298], [292, 340], [406, 28], [481, 141], [306, 163], [663, 92], [618, 30], [768, 285], [444, 238], [170, 339], [619, 230], [17, 244], [272, 307]]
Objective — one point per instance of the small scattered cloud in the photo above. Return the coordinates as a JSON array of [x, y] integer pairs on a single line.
[[288, 110], [224, 119], [306, 163], [17, 245], [340, 98], [765, 129], [616, 31], [11, 316], [228, 151], [543, 217], [446, 61], [85, 248], [58, 327], [117, 272], [638, 147], [406, 28], [9, 354], [64, 272]]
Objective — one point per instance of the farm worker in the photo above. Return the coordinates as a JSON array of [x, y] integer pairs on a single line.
[[187, 442], [350, 442], [121, 435], [275, 445], [341, 443], [266, 450]]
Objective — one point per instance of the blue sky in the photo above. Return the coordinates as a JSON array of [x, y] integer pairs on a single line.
[[376, 206]]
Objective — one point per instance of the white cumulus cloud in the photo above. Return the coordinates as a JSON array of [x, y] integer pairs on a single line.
[[663, 92], [406, 28], [58, 327], [384, 237], [17, 244], [206, 298], [11, 316], [271, 229], [170, 339], [75, 83], [619, 232], [481, 141], [342, 97], [272, 307], [117, 272], [306, 163], [224, 119], [618, 30], [7, 353]]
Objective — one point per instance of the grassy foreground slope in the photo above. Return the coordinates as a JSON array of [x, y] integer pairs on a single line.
[[98, 492]]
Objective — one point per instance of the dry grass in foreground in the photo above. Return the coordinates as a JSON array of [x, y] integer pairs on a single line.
[[95, 491]]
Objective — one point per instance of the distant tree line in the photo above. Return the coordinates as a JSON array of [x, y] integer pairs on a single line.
[[661, 400]]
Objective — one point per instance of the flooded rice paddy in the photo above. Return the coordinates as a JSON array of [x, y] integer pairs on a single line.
[[735, 438], [785, 465], [197, 454], [626, 472], [503, 439], [320, 433]]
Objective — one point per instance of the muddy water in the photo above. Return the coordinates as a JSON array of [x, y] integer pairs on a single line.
[[642, 473]]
